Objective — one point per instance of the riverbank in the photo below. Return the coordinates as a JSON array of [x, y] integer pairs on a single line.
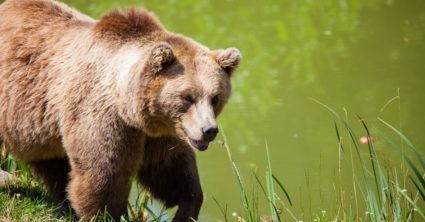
[[377, 189]]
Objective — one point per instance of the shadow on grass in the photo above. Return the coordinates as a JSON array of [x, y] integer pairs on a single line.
[[35, 195]]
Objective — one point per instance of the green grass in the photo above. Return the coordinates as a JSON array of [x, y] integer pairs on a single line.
[[27, 201], [380, 191], [24, 202]]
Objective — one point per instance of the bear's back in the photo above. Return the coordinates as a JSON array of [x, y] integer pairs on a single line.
[[31, 33], [39, 11]]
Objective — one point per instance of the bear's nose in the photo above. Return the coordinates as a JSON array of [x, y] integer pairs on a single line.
[[209, 133]]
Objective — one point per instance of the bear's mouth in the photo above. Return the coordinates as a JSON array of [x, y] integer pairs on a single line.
[[199, 144]]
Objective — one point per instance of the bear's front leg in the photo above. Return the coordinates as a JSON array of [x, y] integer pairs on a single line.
[[103, 156], [169, 172], [93, 192]]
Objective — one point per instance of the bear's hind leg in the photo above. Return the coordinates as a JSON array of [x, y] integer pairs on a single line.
[[54, 174]]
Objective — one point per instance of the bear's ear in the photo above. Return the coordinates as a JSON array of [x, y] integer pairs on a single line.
[[228, 59], [162, 55]]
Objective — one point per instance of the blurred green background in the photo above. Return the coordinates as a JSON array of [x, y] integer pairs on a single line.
[[359, 57]]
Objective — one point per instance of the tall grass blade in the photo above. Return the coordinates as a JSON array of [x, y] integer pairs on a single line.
[[277, 213], [339, 137], [372, 153], [351, 132], [260, 184], [283, 189], [132, 213], [373, 204], [348, 128], [270, 187], [407, 141], [265, 194], [405, 157], [242, 189], [417, 188], [223, 210], [151, 213], [420, 212]]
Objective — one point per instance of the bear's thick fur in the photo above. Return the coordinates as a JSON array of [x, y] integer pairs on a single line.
[[89, 103]]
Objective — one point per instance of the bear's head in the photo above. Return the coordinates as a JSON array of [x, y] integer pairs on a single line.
[[193, 87], [168, 84]]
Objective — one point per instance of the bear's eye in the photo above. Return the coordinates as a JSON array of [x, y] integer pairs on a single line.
[[188, 100], [215, 100]]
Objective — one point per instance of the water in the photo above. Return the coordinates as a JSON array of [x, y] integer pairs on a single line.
[[356, 55], [353, 55]]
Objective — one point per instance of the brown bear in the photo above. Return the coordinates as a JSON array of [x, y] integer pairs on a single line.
[[90, 103]]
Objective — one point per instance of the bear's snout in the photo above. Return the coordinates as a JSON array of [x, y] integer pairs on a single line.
[[209, 133]]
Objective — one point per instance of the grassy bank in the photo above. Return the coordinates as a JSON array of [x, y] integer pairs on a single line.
[[378, 190], [27, 202], [24, 199]]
